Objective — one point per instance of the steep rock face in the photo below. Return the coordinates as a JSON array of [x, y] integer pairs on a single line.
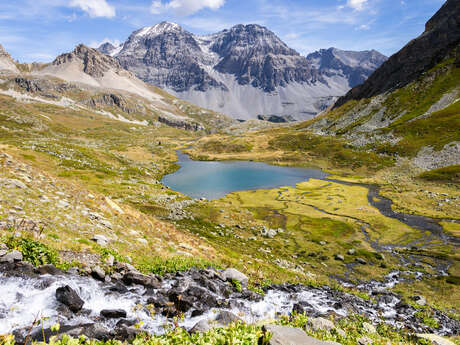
[[354, 66], [244, 72], [6, 62], [166, 55], [442, 34], [256, 56]]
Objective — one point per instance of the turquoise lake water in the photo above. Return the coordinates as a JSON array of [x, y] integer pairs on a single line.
[[214, 180]]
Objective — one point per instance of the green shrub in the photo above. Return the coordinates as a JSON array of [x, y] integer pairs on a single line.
[[237, 285], [161, 266], [448, 174], [34, 252]]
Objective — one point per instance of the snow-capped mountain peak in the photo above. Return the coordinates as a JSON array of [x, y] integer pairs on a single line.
[[158, 29]]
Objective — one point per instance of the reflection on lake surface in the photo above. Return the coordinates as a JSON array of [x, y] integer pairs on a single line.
[[213, 180]]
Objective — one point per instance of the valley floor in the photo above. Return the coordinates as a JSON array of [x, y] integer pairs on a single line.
[[90, 190]]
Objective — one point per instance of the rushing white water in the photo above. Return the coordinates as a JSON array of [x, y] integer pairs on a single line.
[[25, 299]]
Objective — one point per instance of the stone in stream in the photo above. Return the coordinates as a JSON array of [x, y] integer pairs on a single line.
[[284, 335], [113, 313], [141, 279], [222, 320], [232, 274], [49, 269], [98, 273], [67, 296]]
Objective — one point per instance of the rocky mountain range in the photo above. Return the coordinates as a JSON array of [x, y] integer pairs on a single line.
[[244, 72]]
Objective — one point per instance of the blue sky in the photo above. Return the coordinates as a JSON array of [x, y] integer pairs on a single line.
[[39, 30]]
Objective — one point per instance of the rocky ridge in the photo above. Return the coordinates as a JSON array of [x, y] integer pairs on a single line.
[[441, 35], [6, 62]]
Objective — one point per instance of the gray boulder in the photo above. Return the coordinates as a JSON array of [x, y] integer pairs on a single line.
[[98, 273], [11, 257], [232, 274], [284, 335], [141, 279]]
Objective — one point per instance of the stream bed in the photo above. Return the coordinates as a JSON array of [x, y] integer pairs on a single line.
[[28, 296]]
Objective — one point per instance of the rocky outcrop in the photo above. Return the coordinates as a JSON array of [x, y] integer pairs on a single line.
[[114, 100], [181, 123], [6, 62], [276, 118], [41, 85], [441, 37]]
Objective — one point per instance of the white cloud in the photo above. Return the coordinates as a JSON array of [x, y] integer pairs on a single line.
[[95, 8], [357, 5], [185, 7]]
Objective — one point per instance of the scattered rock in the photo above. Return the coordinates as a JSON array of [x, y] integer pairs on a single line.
[[101, 240], [339, 257], [110, 260], [223, 319], [420, 300], [368, 328], [67, 296], [351, 252], [321, 324], [361, 261], [226, 318], [364, 341]]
